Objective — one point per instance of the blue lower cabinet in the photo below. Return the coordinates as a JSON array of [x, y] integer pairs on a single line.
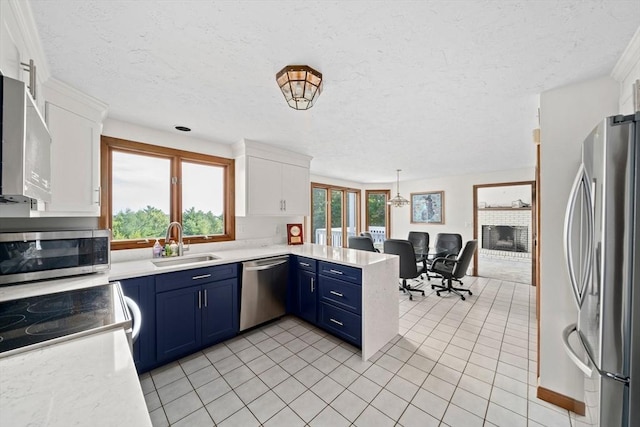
[[307, 296], [219, 311], [341, 323], [179, 322], [142, 291], [342, 294], [194, 317]]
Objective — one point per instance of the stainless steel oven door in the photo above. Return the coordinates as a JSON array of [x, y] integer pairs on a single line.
[[136, 318]]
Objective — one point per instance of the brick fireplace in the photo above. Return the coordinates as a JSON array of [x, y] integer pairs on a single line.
[[505, 232]]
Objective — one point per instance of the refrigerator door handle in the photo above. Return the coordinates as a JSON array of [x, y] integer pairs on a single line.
[[568, 226], [572, 355]]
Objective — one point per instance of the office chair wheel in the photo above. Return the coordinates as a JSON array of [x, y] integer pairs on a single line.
[[470, 293], [462, 298], [410, 297], [422, 293], [433, 287], [438, 293]]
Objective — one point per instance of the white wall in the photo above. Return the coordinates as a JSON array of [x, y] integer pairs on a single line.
[[458, 201], [567, 115], [504, 196]]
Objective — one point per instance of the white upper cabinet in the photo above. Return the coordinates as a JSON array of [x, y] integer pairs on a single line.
[[75, 124], [271, 181], [19, 44]]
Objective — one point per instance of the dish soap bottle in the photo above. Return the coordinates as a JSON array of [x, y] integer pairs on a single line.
[[157, 249], [174, 248]]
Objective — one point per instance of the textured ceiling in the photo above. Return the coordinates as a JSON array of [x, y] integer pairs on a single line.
[[435, 88]]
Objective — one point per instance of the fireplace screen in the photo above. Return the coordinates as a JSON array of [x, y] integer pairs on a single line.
[[505, 238]]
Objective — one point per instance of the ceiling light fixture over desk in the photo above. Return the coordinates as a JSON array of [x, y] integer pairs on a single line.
[[398, 201], [300, 84]]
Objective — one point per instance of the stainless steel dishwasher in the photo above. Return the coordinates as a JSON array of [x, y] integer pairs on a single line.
[[264, 290]]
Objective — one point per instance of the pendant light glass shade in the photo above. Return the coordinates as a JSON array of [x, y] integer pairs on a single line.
[[300, 84], [398, 201]]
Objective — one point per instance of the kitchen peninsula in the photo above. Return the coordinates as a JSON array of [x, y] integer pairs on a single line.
[[378, 281]]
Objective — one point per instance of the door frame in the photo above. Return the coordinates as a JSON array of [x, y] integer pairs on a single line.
[[387, 220], [345, 191], [534, 223]]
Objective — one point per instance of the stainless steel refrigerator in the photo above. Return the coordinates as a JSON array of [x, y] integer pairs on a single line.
[[602, 249]]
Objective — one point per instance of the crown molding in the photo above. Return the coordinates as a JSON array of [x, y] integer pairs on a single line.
[[67, 96], [629, 58]]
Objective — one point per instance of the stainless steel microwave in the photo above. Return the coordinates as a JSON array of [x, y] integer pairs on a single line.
[[32, 256]]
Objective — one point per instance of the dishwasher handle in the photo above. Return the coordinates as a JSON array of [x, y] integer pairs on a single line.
[[266, 266]]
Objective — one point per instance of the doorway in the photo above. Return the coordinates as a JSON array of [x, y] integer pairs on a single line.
[[335, 214], [505, 228], [377, 216]]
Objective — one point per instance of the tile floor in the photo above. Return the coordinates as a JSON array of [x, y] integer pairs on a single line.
[[455, 363], [505, 269]]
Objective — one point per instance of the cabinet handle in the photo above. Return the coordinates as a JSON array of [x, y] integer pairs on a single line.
[[304, 264], [99, 191], [285, 204], [337, 322], [199, 299], [312, 284], [203, 276], [336, 272], [205, 298], [338, 294]]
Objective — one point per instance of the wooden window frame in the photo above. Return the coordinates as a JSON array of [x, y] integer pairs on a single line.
[[344, 190], [109, 144]]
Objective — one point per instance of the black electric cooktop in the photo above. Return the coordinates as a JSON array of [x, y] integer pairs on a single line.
[[44, 319]]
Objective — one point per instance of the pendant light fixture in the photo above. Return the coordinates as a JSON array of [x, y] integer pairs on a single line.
[[398, 201], [300, 84]]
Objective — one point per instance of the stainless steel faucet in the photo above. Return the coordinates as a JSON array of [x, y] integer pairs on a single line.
[[168, 236]]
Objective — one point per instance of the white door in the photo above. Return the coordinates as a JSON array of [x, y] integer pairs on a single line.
[[264, 187], [75, 163], [295, 189]]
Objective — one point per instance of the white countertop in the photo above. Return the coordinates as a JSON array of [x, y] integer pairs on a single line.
[[352, 257], [84, 381], [92, 379]]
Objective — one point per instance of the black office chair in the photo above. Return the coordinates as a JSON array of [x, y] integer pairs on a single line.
[[367, 234], [420, 242], [361, 243], [454, 268], [446, 245], [408, 267]]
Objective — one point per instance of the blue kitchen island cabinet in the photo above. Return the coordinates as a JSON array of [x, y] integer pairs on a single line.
[[142, 291], [194, 309], [340, 293], [305, 289]]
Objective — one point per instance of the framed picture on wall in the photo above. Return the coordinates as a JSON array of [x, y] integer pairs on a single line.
[[427, 208]]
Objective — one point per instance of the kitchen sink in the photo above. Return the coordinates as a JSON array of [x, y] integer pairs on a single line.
[[185, 259]]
